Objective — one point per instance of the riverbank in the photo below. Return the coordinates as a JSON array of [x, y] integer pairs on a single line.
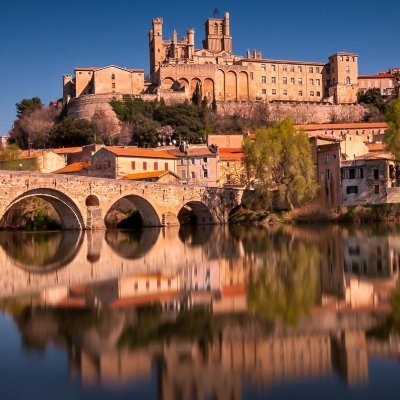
[[316, 214]]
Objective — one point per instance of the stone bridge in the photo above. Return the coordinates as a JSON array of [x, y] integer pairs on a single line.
[[83, 202]]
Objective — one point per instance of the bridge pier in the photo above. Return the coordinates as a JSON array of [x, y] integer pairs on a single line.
[[95, 219]]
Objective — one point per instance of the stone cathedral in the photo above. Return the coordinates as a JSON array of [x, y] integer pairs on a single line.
[[177, 67]]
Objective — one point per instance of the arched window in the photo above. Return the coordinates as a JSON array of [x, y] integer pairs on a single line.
[[348, 80]]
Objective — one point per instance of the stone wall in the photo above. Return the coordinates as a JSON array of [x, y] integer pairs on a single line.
[[85, 107], [301, 113]]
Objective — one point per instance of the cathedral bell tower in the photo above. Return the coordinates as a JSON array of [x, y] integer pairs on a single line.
[[218, 36]]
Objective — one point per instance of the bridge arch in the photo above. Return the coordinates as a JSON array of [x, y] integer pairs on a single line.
[[195, 212], [148, 214], [70, 214]]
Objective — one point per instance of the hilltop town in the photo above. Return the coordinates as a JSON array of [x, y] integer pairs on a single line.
[[137, 133]]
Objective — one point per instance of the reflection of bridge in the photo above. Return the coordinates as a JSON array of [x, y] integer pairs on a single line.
[[83, 202]]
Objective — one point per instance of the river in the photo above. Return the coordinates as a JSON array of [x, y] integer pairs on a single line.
[[206, 312]]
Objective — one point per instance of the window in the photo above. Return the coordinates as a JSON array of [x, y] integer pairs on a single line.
[[204, 160], [272, 68], [285, 92], [155, 166], [183, 161], [327, 157], [273, 92], [328, 174], [193, 161], [264, 91], [299, 68], [285, 81], [144, 166], [376, 189], [347, 59], [166, 167], [318, 94], [292, 68], [312, 82], [348, 80], [351, 189], [193, 175], [300, 93], [263, 79], [273, 80], [112, 76], [113, 85], [205, 173], [310, 69], [251, 75], [300, 81], [353, 173], [317, 70], [312, 93], [133, 165], [347, 68], [284, 68], [318, 82], [292, 81], [376, 173], [263, 67], [183, 174]]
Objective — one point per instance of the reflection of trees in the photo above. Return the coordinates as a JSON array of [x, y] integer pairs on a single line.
[[283, 278], [132, 244], [41, 252]]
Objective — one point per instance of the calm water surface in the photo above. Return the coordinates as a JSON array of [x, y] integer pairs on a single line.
[[201, 313]]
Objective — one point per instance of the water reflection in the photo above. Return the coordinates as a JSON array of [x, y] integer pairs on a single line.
[[41, 252], [213, 311]]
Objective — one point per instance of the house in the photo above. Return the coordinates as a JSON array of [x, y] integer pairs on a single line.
[[116, 162], [197, 164], [231, 168], [369, 131], [372, 178]]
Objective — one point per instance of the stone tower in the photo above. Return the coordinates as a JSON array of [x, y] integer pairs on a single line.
[[155, 46], [218, 36]]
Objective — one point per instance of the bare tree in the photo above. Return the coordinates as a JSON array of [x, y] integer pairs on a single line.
[[37, 124], [107, 125]]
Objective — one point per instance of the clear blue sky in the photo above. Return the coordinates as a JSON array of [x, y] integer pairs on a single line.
[[41, 40]]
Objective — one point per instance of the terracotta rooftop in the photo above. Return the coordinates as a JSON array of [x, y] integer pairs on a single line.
[[230, 150], [354, 125], [379, 75], [148, 175], [67, 150], [74, 167], [136, 152]]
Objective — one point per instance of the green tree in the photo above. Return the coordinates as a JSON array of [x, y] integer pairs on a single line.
[[73, 132], [392, 136], [9, 153], [280, 160], [28, 105], [373, 97]]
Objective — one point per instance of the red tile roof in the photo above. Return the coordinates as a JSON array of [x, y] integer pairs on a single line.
[[74, 167], [148, 175], [67, 150], [354, 125], [137, 152]]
